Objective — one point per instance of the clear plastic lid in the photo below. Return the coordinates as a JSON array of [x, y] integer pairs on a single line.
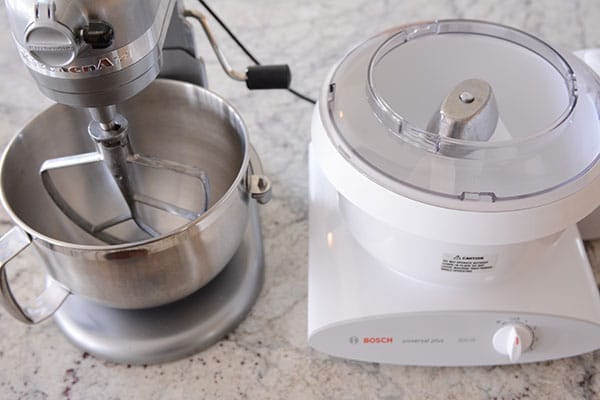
[[467, 110]]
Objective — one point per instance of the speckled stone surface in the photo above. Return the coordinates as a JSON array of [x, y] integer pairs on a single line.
[[267, 356]]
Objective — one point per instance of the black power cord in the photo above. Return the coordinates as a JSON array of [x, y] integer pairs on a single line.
[[245, 50]]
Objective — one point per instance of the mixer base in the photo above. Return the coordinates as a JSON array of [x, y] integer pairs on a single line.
[[176, 330]]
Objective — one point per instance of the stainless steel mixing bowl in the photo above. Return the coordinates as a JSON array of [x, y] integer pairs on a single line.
[[171, 120]]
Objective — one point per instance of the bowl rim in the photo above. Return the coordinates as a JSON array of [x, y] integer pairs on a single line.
[[216, 208]]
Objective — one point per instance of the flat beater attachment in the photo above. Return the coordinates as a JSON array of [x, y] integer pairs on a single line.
[[116, 154]]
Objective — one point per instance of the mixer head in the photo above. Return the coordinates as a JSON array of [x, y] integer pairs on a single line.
[[90, 53]]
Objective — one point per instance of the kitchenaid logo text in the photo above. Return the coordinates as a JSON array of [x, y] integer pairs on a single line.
[[102, 64], [56, 49]]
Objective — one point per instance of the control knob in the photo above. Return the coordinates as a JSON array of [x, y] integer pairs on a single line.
[[512, 340]]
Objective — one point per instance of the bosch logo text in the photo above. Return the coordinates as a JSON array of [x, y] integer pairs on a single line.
[[375, 340]]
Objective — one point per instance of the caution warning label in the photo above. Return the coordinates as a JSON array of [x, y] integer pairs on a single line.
[[468, 263]]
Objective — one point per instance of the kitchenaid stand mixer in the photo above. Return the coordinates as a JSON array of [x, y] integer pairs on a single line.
[[105, 59]]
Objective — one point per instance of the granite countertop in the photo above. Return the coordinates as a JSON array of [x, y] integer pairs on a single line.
[[267, 356]]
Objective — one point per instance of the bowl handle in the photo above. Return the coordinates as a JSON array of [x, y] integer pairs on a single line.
[[11, 245], [258, 186]]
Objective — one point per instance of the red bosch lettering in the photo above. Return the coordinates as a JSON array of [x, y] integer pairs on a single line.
[[373, 340]]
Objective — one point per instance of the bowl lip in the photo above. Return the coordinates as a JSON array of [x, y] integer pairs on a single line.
[[216, 208]]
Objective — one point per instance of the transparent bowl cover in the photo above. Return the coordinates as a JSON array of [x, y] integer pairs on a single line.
[[385, 93]]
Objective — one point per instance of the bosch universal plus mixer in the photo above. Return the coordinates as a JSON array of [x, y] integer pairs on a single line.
[[139, 195], [450, 163]]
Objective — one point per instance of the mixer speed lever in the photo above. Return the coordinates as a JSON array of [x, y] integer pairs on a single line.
[[268, 77], [256, 76]]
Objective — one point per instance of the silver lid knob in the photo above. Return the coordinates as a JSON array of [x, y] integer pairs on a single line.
[[469, 112]]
